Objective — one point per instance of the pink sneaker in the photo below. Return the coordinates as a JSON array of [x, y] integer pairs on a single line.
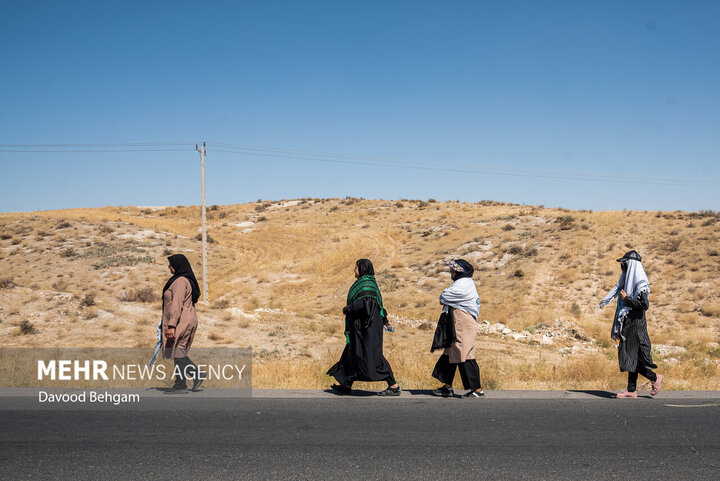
[[626, 394], [657, 385]]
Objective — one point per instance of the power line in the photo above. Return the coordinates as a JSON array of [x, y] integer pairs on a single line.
[[467, 167], [90, 151], [468, 170], [120, 144]]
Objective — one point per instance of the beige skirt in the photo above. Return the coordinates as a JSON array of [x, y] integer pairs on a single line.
[[466, 329]]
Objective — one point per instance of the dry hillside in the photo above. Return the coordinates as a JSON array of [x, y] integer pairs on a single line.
[[279, 273]]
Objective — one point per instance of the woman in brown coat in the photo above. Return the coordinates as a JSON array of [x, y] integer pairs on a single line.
[[179, 321]]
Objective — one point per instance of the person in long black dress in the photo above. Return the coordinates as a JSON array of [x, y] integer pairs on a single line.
[[365, 316], [630, 326]]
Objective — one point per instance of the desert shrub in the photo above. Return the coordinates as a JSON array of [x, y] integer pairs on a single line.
[[5, 236], [422, 204], [142, 294], [566, 222], [222, 214], [713, 253], [425, 326], [260, 207], [106, 229], [518, 273], [167, 252], [508, 227], [671, 245], [7, 283], [122, 260], [514, 249], [262, 218], [350, 200], [27, 327], [209, 239], [399, 205], [214, 207], [334, 208], [221, 304], [63, 225], [88, 300], [68, 252]]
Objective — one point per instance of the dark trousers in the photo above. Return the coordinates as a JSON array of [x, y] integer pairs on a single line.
[[633, 377], [469, 372], [184, 365]]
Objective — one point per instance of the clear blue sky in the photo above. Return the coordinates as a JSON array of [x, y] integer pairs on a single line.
[[614, 88]]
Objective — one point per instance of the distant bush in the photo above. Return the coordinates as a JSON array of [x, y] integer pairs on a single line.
[[63, 225], [262, 218], [508, 227], [123, 260], [214, 207], [221, 304], [68, 252], [26, 327], [106, 229], [88, 301], [566, 222], [209, 239], [518, 273], [7, 283], [143, 294], [671, 245], [399, 205], [514, 249]]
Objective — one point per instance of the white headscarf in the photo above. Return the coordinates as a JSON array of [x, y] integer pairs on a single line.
[[633, 281], [462, 295]]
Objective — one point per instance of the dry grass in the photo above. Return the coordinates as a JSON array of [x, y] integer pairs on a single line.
[[284, 267]]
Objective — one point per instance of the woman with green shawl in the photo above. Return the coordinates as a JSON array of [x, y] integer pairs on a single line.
[[365, 316]]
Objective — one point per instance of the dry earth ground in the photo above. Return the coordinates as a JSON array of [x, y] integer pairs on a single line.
[[279, 273]]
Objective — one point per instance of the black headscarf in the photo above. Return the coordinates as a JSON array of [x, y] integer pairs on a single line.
[[365, 267], [468, 269], [182, 269]]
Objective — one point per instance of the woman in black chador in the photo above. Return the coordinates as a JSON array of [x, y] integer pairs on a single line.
[[629, 324], [362, 359]]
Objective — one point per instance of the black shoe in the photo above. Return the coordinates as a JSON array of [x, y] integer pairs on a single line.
[[339, 388], [390, 391], [199, 380], [474, 394], [177, 390], [443, 391]]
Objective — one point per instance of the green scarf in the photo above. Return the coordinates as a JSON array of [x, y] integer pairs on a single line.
[[364, 286]]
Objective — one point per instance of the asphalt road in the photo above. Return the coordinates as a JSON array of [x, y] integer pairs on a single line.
[[415, 437]]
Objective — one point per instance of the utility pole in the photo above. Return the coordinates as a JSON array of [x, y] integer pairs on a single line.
[[204, 225]]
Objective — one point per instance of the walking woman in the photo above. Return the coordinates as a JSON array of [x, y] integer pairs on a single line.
[[179, 322], [365, 316], [461, 303], [629, 324]]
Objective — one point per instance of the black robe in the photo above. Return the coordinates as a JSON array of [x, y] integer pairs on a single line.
[[634, 351], [362, 359]]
